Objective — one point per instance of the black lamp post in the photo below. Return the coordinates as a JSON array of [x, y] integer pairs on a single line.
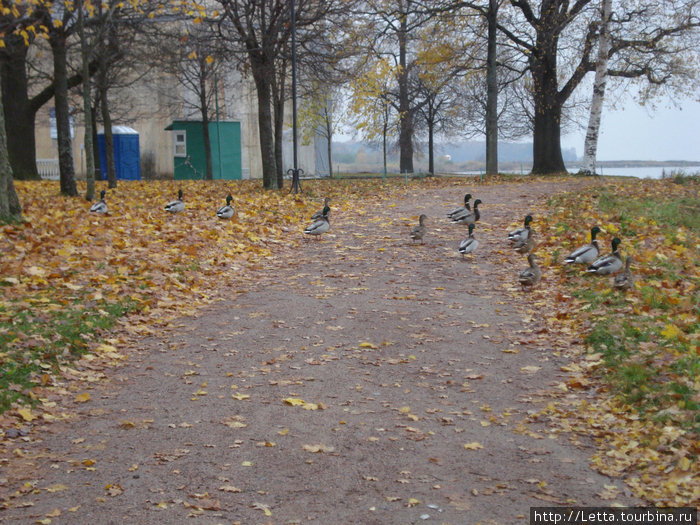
[[296, 184]]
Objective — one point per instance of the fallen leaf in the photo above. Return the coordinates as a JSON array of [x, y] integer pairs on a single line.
[[82, 398]]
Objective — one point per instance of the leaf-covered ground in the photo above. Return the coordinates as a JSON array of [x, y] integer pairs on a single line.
[[67, 271]]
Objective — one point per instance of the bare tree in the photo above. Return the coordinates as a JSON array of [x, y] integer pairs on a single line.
[[492, 89], [261, 29], [558, 39]]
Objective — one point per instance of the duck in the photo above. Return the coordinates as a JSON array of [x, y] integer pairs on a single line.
[[100, 206], [520, 233], [176, 206], [585, 254], [608, 264], [462, 209], [319, 213], [527, 244], [531, 275], [470, 244], [625, 280], [320, 225], [226, 212], [470, 217], [418, 232]]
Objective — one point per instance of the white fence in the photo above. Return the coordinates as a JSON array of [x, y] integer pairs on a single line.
[[48, 169]]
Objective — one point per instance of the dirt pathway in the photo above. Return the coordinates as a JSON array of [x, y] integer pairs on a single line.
[[402, 406]]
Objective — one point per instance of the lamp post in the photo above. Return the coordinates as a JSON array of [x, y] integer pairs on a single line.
[[296, 185]]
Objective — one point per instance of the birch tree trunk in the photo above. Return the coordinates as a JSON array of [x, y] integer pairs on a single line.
[[590, 147]]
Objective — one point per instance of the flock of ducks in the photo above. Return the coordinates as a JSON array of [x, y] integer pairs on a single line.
[[175, 206], [521, 239], [523, 242]]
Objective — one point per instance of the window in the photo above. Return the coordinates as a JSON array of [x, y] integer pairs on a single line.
[[180, 137]]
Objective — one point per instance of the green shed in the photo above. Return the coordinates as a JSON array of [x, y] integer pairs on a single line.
[[188, 149]]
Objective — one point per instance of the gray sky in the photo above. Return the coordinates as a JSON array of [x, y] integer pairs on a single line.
[[639, 133]]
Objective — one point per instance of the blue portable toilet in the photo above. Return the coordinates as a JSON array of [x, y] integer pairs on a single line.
[[127, 155]]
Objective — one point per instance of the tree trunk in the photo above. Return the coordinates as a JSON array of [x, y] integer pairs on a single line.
[[65, 150], [19, 122], [87, 109], [278, 116], [106, 121], [9, 203], [329, 134], [431, 153], [95, 143], [405, 112], [546, 151], [492, 92], [204, 108], [590, 147], [385, 131], [262, 76], [109, 138]]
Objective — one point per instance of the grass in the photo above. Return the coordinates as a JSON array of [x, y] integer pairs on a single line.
[[648, 336], [38, 335], [669, 212]]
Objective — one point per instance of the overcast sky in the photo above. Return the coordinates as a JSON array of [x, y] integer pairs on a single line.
[[638, 133]]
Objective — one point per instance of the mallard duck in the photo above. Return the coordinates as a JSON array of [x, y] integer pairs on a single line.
[[625, 280], [100, 206], [176, 206], [470, 244], [520, 233], [531, 275], [527, 244], [321, 225], [418, 232], [319, 213], [462, 209], [470, 217], [585, 254], [226, 212], [608, 264]]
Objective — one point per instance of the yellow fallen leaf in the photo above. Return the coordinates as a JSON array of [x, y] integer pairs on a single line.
[[368, 345], [239, 396], [684, 464], [671, 331], [473, 446], [56, 488], [82, 398], [294, 401], [318, 448], [26, 414], [412, 502]]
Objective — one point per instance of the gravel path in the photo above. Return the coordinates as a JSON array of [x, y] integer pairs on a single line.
[[401, 404]]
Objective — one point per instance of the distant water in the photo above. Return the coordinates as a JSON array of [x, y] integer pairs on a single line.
[[645, 172]]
